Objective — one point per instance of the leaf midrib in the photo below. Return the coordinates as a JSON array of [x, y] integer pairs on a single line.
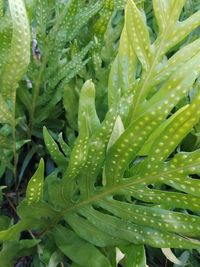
[[109, 192], [140, 94], [122, 186]]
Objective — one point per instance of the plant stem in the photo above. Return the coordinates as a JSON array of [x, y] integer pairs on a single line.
[[36, 92], [15, 156]]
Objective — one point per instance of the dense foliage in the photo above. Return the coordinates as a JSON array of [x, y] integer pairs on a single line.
[[99, 133]]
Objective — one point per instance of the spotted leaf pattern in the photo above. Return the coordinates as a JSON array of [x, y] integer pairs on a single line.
[[123, 71], [139, 35], [160, 46], [83, 16], [65, 148], [19, 55], [127, 182], [106, 12], [14, 57], [131, 194], [87, 107], [5, 113], [34, 191], [1, 8]]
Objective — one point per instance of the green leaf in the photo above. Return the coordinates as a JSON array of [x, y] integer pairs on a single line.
[[19, 55], [138, 34], [5, 142], [182, 29], [53, 149], [114, 90], [134, 255], [108, 196], [128, 231], [12, 250], [55, 259], [149, 216], [123, 71], [5, 159], [87, 107], [127, 61], [6, 36], [106, 12], [78, 250], [5, 114], [70, 102], [34, 191], [167, 13], [41, 18], [180, 58], [158, 132], [65, 148], [67, 71], [1, 8], [91, 233], [77, 160], [118, 129], [84, 15], [96, 154], [175, 131]]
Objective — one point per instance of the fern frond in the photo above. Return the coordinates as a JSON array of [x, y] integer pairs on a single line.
[[19, 55], [109, 196]]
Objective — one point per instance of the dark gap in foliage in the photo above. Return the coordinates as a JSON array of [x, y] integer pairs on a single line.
[[190, 7], [24, 262], [138, 70], [195, 176], [190, 143], [102, 210], [119, 197], [98, 182], [155, 258], [25, 235]]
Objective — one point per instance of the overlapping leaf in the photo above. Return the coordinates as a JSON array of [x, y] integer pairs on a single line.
[[108, 196]]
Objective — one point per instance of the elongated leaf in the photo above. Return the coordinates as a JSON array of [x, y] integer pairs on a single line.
[[1, 8], [91, 233], [65, 148], [70, 244], [176, 130], [118, 129], [114, 90], [129, 231], [138, 34], [34, 191], [127, 61], [106, 12], [87, 107], [20, 50], [53, 148]]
